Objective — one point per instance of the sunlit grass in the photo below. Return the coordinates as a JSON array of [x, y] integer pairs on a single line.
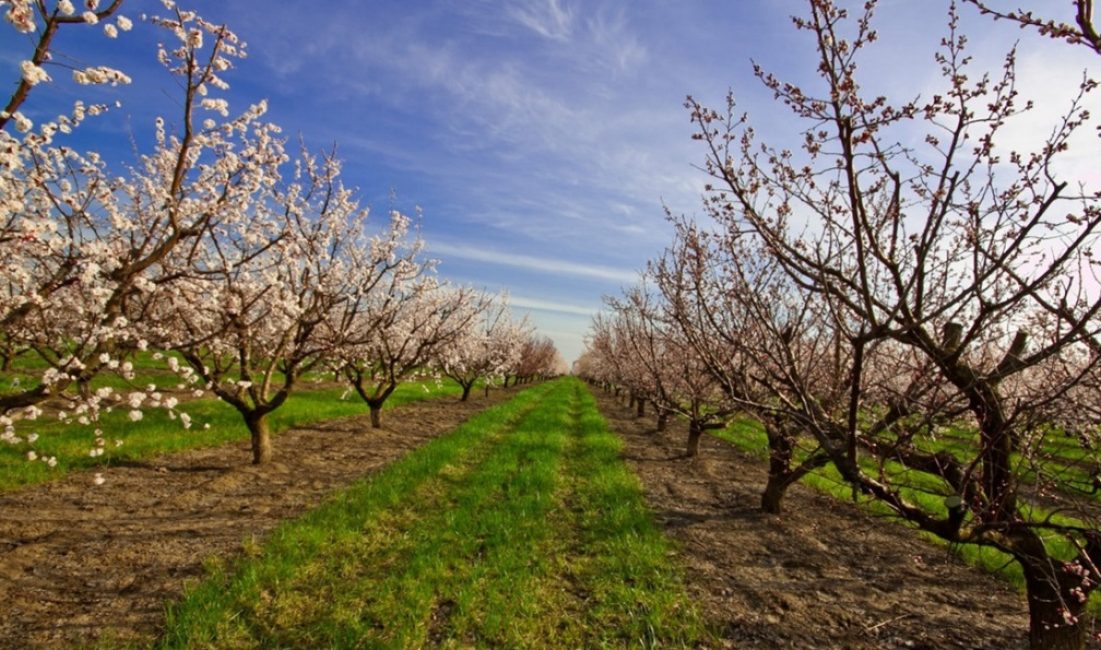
[[522, 528]]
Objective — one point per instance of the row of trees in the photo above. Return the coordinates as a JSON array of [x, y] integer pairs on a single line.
[[251, 264], [900, 296]]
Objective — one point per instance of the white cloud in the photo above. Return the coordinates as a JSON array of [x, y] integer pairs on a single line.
[[531, 262], [614, 41], [549, 18], [547, 305]]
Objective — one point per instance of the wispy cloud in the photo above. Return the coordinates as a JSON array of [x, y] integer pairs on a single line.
[[549, 18], [614, 41], [547, 305], [531, 262]]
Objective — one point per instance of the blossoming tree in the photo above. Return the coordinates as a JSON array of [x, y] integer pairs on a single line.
[[959, 275], [261, 301], [407, 322], [487, 349], [82, 249]]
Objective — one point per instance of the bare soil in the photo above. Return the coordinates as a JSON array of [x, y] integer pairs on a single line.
[[81, 564], [823, 574]]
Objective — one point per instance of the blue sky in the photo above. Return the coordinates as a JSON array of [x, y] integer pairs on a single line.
[[540, 138]]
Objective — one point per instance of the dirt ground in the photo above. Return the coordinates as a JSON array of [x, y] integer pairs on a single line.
[[823, 574], [80, 563]]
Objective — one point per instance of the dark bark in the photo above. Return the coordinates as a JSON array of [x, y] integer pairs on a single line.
[[260, 437], [695, 431], [641, 408], [375, 399], [466, 390], [663, 419], [781, 475], [1055, 614]]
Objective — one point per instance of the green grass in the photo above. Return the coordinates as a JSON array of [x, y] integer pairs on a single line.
[[920, 489], [158, 434], [521, 528]]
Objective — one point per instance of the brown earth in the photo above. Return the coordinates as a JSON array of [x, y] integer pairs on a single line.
[[81, 563], [825, 574]]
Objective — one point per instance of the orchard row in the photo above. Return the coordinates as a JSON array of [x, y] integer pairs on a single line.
[[249, 264], [906, 295]]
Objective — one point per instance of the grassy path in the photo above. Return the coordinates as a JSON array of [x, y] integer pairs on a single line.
[[522, 528]]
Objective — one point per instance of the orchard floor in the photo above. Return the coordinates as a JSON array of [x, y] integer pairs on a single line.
[[81, 564], [825, 574]]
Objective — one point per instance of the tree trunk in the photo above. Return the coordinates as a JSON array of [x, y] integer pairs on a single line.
[[772, 499], [466, 392], [999, 482], [1055, 613], [1049, 612], [376, 415], [780, 451], [487, 389], [695, 431], [663, 419], [641, 408], [261, 438]]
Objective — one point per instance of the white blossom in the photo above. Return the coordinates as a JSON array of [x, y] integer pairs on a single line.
[[22, 124], [33, 74]]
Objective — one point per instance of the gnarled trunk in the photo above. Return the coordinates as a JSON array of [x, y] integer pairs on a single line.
[[466, 391], [663, 419], [1054, 616], [641, 410], [695, 431], [781, 475], [260, 437], [1057, 592], [780, 452]]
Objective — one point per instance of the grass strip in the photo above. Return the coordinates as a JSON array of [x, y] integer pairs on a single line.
[[213, 423], [464, 542], [631, 594], [358, 533]]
